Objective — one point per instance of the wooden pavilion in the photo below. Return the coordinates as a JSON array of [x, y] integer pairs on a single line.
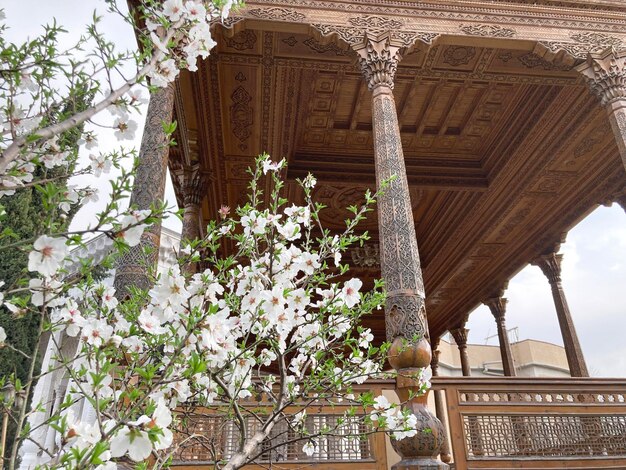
[[505, 124]]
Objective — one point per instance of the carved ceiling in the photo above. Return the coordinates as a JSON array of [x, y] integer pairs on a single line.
[[504, 149]]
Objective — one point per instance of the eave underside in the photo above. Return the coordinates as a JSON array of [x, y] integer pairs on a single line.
[[505, 150]]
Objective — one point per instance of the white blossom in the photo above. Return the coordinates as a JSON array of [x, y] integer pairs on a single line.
[[309, 448], [350, 292], [174, 9], [47, 255], [100, 164], [125, 128], [132, 441], [195, 11]]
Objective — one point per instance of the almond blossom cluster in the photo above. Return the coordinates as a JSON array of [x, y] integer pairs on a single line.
[[280, 318], [175, 34]]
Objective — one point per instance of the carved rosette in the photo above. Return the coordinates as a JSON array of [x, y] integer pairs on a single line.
[[134, 266]]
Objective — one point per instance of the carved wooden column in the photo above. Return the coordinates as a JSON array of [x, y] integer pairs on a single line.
[[439, 405], [550, 264], [605, 74], [460, 337], [148, 189], [195, 185], [497, 305], [405, 313]]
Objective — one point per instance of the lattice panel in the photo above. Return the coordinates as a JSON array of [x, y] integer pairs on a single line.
[[551, 436], [205, 438], [542, 397]]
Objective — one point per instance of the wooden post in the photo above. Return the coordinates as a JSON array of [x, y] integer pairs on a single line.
[[605, 74], [550, 264], [460, 337], [439, 405], [405, 311], [194, 183], [149, 187], [497, 305]]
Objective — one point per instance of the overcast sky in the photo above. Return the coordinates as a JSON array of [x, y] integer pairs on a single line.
[[594, 267]]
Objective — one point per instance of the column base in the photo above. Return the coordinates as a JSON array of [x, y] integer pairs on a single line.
[[420, 464]]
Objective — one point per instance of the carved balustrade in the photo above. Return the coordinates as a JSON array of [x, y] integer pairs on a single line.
[[206, 435], [508, 422], [536, 422]]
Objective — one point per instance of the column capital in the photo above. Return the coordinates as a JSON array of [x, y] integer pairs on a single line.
[[618, 197], [605, 74], [497, 305], [460, 336], [550, 264], [378, 59], [195, 183]]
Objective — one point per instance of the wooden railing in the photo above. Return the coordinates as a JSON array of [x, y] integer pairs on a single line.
[[535, 423], [205, 436]]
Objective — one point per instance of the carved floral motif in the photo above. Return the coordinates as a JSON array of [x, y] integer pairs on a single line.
[[290, 41], [379, 62], [321, 48], [352, 36], [605, 74], [489, 30], [458, 55], [532, 60], [194, 184], [371, 23], [366, 256], [241, 113], [497, 305], [460, 336], [405, 308], [584, 43], [550, 265], [355, 36], [242, 41], [276, 13], [598, 39]]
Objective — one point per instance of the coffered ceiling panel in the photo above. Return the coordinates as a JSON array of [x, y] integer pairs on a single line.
[[504, 150]]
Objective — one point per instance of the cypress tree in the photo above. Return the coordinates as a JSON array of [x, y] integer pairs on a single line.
[[25, 220]]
